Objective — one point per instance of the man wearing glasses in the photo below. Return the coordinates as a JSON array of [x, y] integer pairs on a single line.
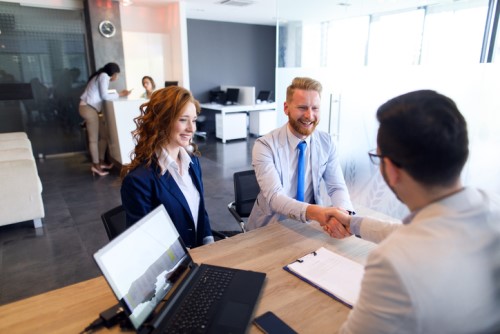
[[439, 271], [293, 161]]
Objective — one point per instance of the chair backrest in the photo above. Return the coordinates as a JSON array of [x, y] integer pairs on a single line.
[[246, 190], [115, 221]]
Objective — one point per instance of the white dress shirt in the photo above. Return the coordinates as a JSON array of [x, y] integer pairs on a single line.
[[184, 181], [97, 91]]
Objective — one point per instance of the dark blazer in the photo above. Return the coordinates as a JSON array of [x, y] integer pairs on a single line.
[[144, 189]]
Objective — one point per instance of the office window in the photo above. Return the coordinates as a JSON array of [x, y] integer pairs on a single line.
[[496, 51], [442, 33], [311, 45], [454, 33], [395, 39], [347, 40], [290, 44]]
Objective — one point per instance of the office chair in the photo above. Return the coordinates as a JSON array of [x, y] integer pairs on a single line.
[[246, 190], [115, 222], [200, 121]]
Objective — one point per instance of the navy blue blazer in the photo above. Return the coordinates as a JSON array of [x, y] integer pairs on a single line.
[[144, 189]]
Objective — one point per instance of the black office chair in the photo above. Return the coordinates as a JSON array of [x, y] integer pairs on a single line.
[[115, 222], [200, 122], [246, 190]]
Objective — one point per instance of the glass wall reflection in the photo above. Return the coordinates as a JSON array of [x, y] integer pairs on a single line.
[[46, 49]]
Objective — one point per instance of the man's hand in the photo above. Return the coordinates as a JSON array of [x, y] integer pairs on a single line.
[[335, 221], [338, 226]]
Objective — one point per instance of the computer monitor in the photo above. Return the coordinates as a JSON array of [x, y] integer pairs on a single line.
[[217, 96], [171, 83], [264, 95], [232, 95]]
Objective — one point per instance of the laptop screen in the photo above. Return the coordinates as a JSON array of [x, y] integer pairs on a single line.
[[143, 264]]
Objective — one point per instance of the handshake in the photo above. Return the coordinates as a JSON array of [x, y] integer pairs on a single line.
[[335, 221]]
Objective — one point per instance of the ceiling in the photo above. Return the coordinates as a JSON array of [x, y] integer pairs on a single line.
[[241, 11], [264, 11]]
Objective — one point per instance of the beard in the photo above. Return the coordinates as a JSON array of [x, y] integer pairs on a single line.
[[297, 127], [384, 176]]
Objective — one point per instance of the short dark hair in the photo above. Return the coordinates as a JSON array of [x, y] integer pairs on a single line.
[[424, 133]]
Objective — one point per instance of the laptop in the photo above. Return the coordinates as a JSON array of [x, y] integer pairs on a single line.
[[153, 276]]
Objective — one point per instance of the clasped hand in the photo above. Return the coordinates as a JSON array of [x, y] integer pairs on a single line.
[[338, 223]]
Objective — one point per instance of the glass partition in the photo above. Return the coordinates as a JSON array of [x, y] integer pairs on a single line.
[[454, 33], [363, 62], [395, 39], [45, 48]]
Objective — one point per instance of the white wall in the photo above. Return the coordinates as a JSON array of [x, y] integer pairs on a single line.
[[362, 90], [154, 45]]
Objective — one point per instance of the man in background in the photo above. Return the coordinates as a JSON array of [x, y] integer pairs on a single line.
[[439, 271]]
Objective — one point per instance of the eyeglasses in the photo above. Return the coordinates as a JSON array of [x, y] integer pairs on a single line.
[[374, 157]]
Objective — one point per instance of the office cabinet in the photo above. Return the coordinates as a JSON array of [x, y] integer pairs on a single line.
[[262, 121], [231, 126]]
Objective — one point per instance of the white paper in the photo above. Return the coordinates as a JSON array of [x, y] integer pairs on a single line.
[[331, 272]]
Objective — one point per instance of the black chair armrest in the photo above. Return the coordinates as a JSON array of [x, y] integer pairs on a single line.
[[232, 209], [219, 234], [241, 222]]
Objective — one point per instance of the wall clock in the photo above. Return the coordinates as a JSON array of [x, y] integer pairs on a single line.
[[107, 29]]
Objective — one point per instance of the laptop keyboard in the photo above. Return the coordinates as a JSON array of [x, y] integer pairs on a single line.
[[193, 315]]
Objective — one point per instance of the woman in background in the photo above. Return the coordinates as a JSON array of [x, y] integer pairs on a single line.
[[91, 105], [149, 85], [165, 168]]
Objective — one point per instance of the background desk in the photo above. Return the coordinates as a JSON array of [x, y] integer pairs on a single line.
[[268, 249], [231, 120]]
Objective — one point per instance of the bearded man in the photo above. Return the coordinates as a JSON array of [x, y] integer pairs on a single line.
[[292, 161]]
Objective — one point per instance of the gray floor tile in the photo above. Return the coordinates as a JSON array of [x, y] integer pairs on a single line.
[[33, 261]]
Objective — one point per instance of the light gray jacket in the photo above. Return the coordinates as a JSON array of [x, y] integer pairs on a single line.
[[438, 274], [270, 159]]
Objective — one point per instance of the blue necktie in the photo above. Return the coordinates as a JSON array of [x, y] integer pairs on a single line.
[[301, 168]]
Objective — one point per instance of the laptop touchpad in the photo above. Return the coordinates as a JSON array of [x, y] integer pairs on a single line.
[[234, 314]]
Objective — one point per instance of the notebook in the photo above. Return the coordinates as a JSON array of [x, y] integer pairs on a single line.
[[152, 274]]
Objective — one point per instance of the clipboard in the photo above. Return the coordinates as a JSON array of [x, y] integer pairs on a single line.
[[331, 273]]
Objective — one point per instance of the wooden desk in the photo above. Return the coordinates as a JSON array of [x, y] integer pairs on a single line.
[[303, 307]]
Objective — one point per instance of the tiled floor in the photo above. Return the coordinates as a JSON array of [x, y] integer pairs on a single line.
[[34, 261]]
